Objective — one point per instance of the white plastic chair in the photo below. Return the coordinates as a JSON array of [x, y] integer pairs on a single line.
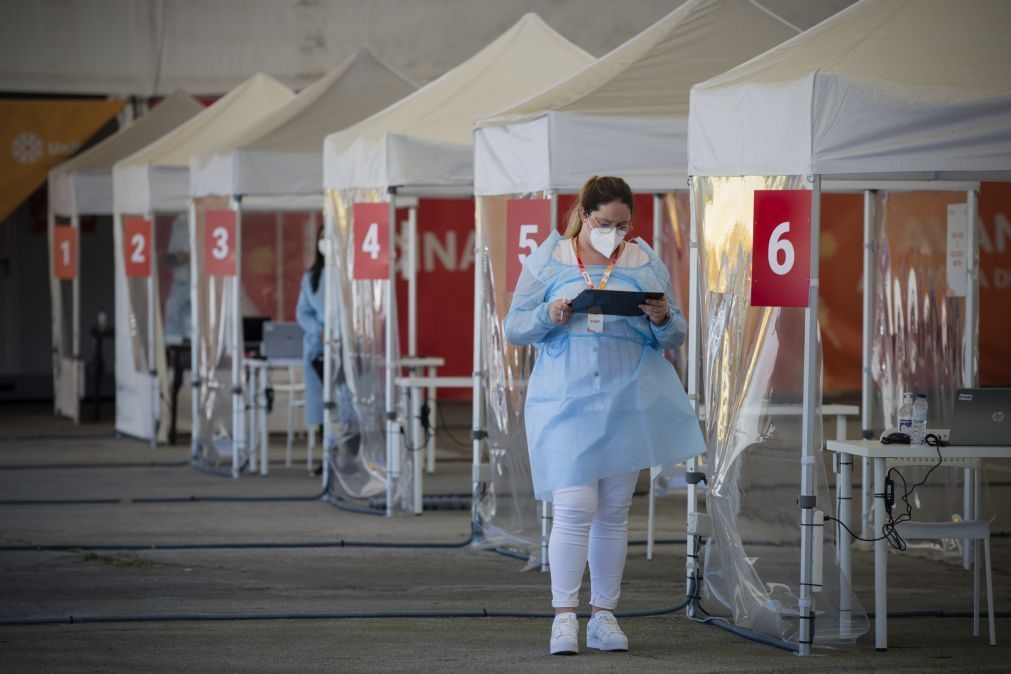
[[974, 530]]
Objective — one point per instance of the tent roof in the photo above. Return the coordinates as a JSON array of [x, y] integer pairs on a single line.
[[886, 88], [69, 192], [156, 177], [625, 113], [427, 138], [281, 153]]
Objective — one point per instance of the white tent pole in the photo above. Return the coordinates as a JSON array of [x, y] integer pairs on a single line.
[[694, 327], [238, 400], [279, 266], [807, 500], [194, 334], [866, 383], [970, 344], [412, 280], [476, 432], [392, 453], [75, 285], [328, 336], [152, 342], [658, 249], [546, 505], [56, 308]]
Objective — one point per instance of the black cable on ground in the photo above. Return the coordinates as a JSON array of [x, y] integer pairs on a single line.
[[164, 499], [326, 615], [82, 466]]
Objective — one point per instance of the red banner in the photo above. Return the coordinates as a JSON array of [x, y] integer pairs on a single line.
[[64, 252], [781, 250], [219, 243], [137, 246], [528, 223], [371, 241]]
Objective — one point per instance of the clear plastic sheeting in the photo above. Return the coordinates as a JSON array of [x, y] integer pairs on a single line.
[[507, 508], [750, 360], [919, 332], [359, 318], [214, 301]]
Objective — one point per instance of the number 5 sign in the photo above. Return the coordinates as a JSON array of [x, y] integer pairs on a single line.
[[219, 243], [371, 237], [137, 246], [528, 223], [781, 256]]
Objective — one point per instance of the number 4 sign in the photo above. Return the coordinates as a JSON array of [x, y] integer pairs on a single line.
[[781, 255], [371, 236], [137, 246], [219, 243], [528, 223]]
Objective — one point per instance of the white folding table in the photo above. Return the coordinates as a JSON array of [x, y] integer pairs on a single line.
[[259, 380], [880, 454]]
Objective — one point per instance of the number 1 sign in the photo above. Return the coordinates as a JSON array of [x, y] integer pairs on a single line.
[[219, 243], [137, 246], [371, 236], [781, 255], [528, 223], [64, 252]]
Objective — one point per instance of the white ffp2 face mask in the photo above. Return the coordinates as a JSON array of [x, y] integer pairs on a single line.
[[605, 241]]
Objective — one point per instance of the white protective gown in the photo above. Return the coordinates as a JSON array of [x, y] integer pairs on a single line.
[[599, 404]]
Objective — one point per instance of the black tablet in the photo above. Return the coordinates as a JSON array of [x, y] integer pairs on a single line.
[[613, 302]]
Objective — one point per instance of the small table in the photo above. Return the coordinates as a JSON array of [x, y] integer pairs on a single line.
[[880, 454], [259, 380]]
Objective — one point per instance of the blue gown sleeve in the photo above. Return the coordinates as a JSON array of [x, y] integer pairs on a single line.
[[527, 321], [305, 314], [671, 334]]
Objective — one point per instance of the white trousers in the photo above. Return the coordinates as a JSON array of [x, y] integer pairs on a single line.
[[590, 522]]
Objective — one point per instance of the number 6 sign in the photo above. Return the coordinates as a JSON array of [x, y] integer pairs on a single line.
[[219, 243], [371, 236], [528, 223], [137, 246], [781, 256]]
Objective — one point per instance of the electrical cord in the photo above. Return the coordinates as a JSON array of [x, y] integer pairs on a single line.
[[444, 428]]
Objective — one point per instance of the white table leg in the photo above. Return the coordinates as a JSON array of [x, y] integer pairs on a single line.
[[866, 501], [416, 433], [880, 560], [432, 420], [262, 418], [651, 520], [966, 514], [252, 389], [844, 491]]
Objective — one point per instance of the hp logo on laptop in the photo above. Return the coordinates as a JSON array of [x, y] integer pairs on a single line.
[[998, 417]]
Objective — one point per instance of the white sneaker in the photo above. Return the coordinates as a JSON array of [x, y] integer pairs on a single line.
[[564, 634], [602, 632]]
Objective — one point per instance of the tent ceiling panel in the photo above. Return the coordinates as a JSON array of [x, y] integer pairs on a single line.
[[84, 183], [438, 118], [631, 105], [281, 153], [892, 88]]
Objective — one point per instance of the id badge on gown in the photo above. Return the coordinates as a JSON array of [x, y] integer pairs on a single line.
[[595, 322]]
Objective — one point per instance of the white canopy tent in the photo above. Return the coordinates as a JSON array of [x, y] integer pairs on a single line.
[[152, 181], [885, 91], [276, 163], [83, 186], [625, 114], [423, 146]]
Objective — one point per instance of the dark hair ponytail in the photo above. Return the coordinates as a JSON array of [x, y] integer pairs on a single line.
[[596, 192], [316, 269]]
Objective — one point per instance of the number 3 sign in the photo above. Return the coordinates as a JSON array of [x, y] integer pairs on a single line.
[[137, 246], [528, 223], [781, 256], [219, 243], [371, 241]]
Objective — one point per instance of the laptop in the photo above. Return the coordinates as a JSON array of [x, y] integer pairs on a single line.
[[981, 417], [282, 340]]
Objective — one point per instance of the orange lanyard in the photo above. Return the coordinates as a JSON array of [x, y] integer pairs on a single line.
[[607, 271]]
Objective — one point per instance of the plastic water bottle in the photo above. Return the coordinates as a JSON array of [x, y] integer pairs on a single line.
[[919, 434], [906, 414]]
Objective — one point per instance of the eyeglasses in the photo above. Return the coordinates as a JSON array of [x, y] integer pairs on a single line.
[[623, 229]]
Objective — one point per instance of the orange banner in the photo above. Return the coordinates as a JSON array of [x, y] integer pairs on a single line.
[[37, 135]]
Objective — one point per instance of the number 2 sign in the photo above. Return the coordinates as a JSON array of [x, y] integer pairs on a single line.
[[528, 223], [219, 243], [64, 252], [137, 246], [371, 236], [781, 255]]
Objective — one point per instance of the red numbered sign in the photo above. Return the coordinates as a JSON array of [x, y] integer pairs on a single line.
[[137, 246], [781, 256], [219, 243], [371, 239], [64, 252], [528, 223]]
